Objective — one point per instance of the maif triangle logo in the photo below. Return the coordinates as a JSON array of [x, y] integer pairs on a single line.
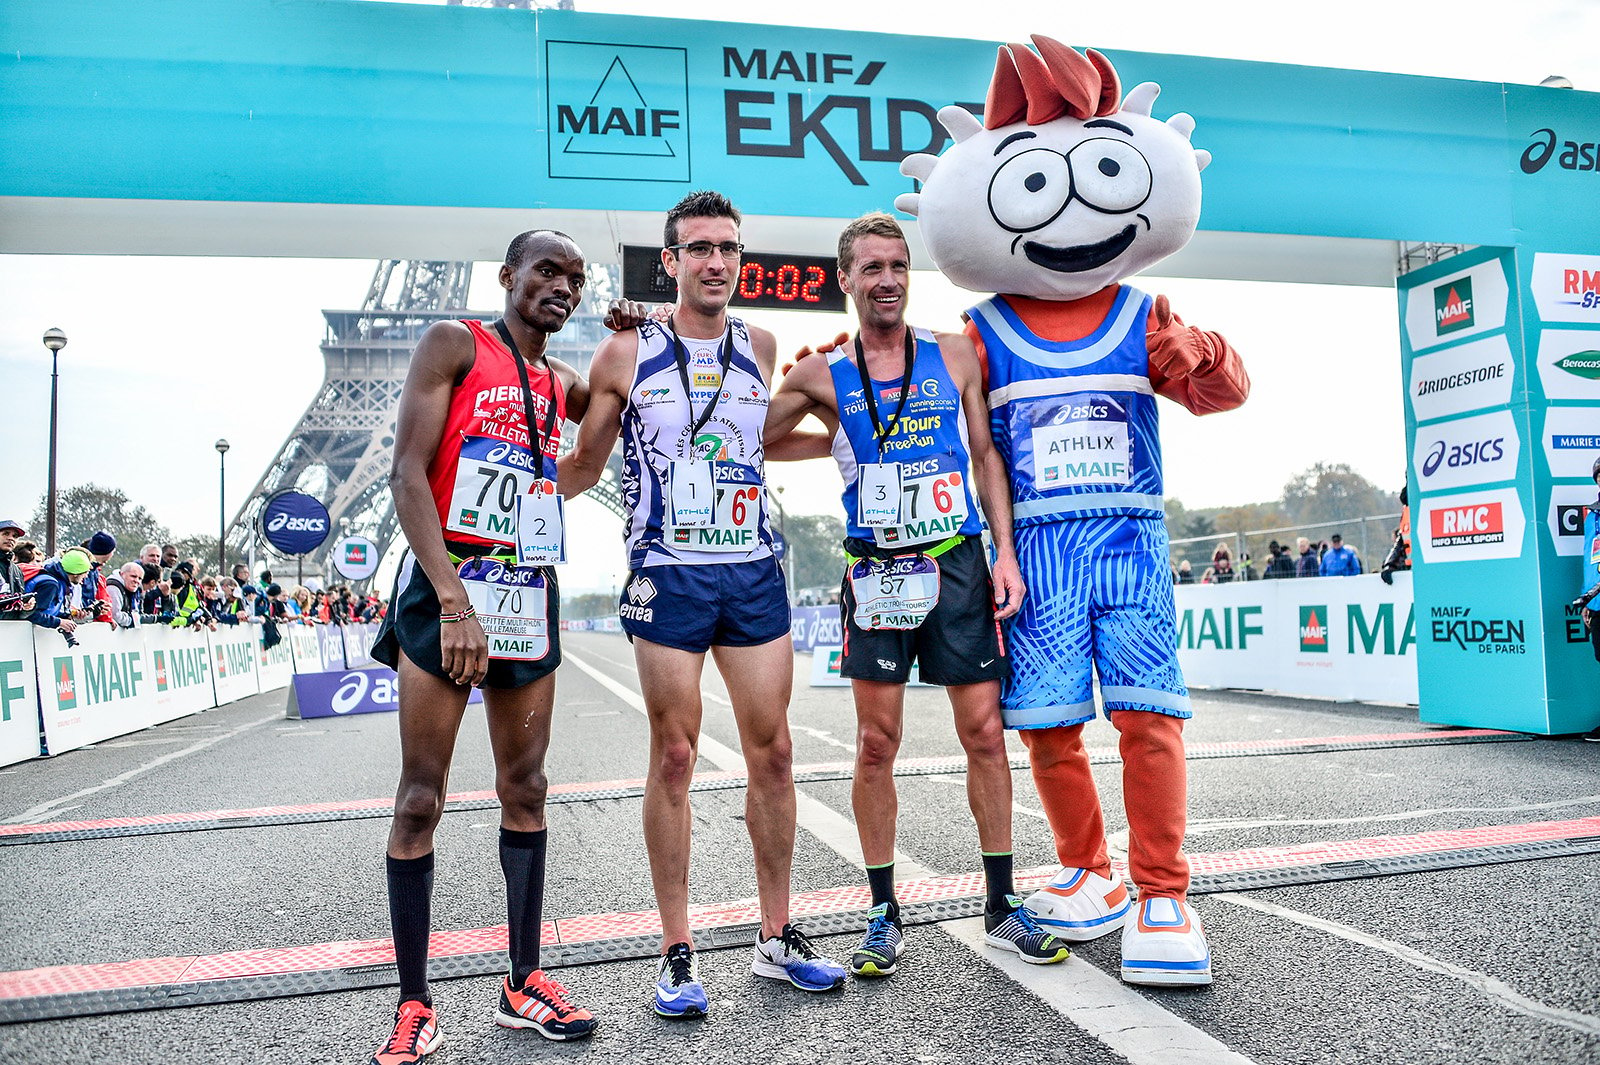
[[1452, 306], [66, 685], [1314, 630]]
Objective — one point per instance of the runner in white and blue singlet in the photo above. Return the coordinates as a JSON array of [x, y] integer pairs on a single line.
[[689, 401], [907, 418]]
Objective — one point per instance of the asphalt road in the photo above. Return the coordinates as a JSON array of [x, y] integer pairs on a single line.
[[1492, 963]]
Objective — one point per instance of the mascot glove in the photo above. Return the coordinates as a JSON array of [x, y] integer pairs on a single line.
[[1176, 351]]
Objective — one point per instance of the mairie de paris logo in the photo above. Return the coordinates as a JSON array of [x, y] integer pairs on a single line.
[[617, 112], [1452, 305]]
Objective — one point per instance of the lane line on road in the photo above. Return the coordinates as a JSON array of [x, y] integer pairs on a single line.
[[1225, 824], [34, 812], [456, 802], [1498, 990]]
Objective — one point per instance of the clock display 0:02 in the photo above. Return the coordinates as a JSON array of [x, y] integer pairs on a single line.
[[788, 283]]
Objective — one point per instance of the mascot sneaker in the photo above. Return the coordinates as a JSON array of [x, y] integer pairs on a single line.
[[1078, 905], [1163, 943]]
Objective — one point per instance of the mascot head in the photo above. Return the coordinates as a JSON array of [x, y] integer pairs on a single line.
[[1061, 190]]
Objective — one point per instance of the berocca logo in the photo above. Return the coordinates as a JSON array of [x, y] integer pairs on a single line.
[[1452, 305], [1581, 364]]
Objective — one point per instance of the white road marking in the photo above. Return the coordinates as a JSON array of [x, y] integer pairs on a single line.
[[1502, 993], [1224, 824], [1104, 1007], [824, 736], [1100, 1005], [33, 813]]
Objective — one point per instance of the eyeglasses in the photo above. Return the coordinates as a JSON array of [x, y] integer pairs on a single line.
[[701, 249]]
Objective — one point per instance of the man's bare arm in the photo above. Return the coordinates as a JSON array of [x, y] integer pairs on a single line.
[[610, 377], [443, 356]]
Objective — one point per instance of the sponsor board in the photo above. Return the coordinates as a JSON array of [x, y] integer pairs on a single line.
[[356, 558], [1477, 450], [1571, 440], [233, 663], [305, 650], [180, 667], [1569, 364], [1457, 306], [1457, 380], [19, 695], [1331, 637], [1566, 288], [341, 693], [1564, 517], [1472, 629], [274, 665], [810, 626], [617, 111], [1469, 527], [98, 689]]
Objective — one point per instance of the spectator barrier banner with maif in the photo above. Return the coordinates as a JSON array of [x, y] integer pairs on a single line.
[[305, 647], [180, 672], [98, 689], [19, 694], [274, 665], [1348, 638], [233, 662]]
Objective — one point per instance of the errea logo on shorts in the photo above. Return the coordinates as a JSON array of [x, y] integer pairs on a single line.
[[617, 112]]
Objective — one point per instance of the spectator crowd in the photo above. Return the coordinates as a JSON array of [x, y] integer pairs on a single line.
[[83, 585], [1329, 558]]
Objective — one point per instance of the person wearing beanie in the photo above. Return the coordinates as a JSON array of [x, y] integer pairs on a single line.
[[52, 586], [100, 546]]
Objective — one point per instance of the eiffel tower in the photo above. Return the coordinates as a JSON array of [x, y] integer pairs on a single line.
[[341, 450]]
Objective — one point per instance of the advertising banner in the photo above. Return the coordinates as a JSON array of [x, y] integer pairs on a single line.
[[355, 558], [180, 672], [273, 667], [358, 639], [330, 642], [304, 648], [294, 522], [813, 625], [1349, 638], [233, 663], [19, 694], [98, 689], [355, 691]]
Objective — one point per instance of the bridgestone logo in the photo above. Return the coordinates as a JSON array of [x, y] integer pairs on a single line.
[[1457, 380], [1480, 523]]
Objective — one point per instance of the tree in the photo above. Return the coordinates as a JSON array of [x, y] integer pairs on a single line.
[[816, 551], [90, 508], [1333, 492], [204, 548], [588, 605]]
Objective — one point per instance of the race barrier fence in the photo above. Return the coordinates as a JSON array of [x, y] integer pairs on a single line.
[[55, 697]]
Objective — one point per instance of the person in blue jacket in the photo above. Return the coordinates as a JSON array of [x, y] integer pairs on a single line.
[[1340, 560], [51, 588]]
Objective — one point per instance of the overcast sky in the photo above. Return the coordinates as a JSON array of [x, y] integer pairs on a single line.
[[166, 355]]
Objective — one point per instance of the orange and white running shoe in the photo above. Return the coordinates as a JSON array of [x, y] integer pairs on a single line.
[[416, 1034], [542, 1005]]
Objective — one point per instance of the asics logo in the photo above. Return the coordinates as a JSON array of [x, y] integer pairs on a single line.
[[351, 691]]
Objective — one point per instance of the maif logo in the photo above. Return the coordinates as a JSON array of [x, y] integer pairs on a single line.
[[66, 678], [1452, 305], [161, 671], [1314, 630], [617, 112]]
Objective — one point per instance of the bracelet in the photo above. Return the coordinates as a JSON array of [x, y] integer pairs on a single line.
[[462, 615]]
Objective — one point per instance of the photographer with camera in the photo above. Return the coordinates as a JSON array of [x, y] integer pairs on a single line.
[[15, 602], [190, 611], [52, 588]]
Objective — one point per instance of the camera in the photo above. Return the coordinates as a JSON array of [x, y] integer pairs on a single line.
[[72, 640], [13, 600]]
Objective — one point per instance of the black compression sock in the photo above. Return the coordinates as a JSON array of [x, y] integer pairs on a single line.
[[410, 897], [997, 875], [522, 860], [880, 878]]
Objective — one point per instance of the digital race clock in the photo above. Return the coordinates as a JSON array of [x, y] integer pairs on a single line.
[[764, 279]]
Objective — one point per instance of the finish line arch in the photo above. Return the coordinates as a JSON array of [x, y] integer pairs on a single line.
[[325, 128]]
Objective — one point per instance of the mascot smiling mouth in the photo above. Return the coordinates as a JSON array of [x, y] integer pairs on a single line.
[[1079, 257]]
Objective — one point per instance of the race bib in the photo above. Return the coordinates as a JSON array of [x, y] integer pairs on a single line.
[[737, 501], [878, 488], [933, 504], [512, 605], [896, 593], [490, 476], [691, 493], [1085, 443], [541, 527]]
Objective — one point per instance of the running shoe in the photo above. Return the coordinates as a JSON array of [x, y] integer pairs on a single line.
[[883, 944], [790, 956], [1164, 944], [1015, 929], [416, 1033], [1079, 905], [678, 989], [542, 1005]]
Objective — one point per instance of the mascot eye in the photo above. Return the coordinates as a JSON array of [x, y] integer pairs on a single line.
[[1030, 190], [1109, 175]]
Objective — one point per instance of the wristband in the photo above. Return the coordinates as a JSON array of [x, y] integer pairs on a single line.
[[462, 615]]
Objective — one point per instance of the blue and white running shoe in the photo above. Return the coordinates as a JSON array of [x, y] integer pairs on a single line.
[[678, 989], [791, 957]]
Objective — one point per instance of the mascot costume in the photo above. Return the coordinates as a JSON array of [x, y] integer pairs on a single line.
[[1064, 189]]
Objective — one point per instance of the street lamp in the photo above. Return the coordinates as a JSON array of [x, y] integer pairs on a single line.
[[222, 508], [55, 340]]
